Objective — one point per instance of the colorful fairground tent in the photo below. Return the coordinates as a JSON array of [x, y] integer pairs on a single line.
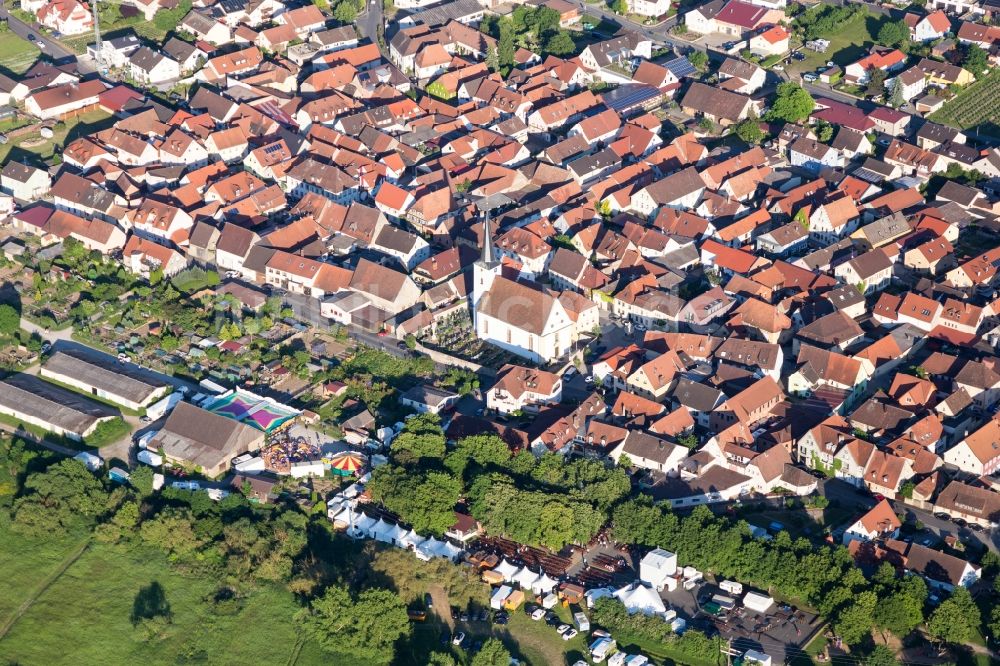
[[262, 413], [347, 463]]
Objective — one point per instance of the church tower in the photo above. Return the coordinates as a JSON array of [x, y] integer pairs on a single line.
[[484, 271]]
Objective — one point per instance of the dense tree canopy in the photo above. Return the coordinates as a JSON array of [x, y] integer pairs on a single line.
[[894, 33], [365, 627], [493, 653], [792, 103], [956, 620]]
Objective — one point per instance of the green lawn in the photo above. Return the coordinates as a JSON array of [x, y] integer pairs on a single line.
[[84, 616], [848, 44], [17, 54], [25, 563], [32, 147]]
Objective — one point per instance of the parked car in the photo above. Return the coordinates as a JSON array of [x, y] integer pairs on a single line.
[[563, 628], [568, 635], [458, 639], [538, 614]]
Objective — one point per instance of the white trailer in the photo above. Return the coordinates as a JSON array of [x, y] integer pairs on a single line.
[[731, 586], [145, 438], [89, 460], [581, 621], [149, 458], [499, 596]]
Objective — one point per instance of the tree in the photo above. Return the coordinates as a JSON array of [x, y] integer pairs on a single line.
[[792, 104], [560, 43], [142, 480], [824, 131], [363, 628], [876, 82], [699, 59], [975, 59], [894, 33], [422, 438], [896, 99], [956, 620], [10, 320], [505, 46], [854, 622], [493, 62], [426, 500], [881, 656], [345, 11], [899, 613], [493, 653], [620, 7], [749, 131], [689, 440]]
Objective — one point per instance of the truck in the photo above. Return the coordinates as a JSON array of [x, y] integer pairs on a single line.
[[601, 648], [211, 387], [147, 457], [581, 621]]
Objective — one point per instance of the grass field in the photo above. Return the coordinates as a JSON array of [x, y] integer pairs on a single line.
[[848, 44], [32, 147], [976, 106], [84, 615], [17, 54]]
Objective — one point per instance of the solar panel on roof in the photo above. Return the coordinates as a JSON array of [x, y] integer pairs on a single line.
[[629, 96], [680, 67]]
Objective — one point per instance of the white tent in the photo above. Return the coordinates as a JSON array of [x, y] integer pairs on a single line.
[[428, 549], [506, 569], [363, 526], [638, 598], [447, 550], [382, 531], [544, 584], [396, 533], [525, 577], [410, 539], [340, 515]]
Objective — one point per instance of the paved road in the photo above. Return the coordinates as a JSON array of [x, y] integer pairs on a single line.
[[371, 20], [658, 33], [48, 45], [828, 92], [849, 496]]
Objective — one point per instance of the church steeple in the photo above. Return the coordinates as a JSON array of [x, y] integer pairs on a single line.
[[483, 273], [487, 255]]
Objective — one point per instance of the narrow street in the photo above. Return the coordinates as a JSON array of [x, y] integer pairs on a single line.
[[49, 46]]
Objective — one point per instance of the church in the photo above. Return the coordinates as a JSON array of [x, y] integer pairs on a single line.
[[521, 317]]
